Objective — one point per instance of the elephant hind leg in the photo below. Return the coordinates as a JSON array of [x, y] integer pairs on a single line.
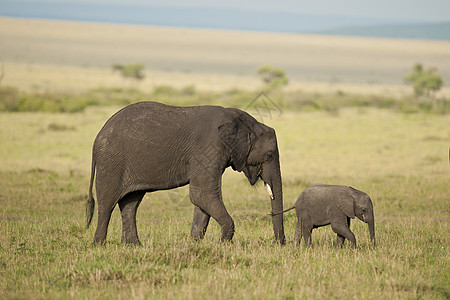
[[298, 233], [306, 231], [104, 215], [128, 207]]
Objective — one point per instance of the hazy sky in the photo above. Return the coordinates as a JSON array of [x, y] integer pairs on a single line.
[[414, 10]]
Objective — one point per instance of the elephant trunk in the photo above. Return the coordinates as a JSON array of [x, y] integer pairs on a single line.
[[277, 205], [371, 224]]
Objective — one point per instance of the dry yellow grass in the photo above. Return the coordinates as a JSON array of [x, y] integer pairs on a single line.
[[399, 160], [71, 55]]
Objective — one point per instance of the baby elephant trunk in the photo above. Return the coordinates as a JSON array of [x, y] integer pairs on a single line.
[[371, 224]]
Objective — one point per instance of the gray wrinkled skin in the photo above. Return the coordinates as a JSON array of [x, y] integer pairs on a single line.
[[321, 205], [150, 146]]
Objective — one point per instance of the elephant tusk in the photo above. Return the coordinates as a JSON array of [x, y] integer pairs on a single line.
[[268, 190]]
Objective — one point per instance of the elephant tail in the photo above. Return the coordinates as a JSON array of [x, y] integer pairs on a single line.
[[90, 204], [282, 212]]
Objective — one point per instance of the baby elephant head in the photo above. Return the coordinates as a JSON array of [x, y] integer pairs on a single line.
[[358, 204]]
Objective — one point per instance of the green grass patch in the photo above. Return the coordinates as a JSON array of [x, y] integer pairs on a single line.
[[400, 160], [13, 100]]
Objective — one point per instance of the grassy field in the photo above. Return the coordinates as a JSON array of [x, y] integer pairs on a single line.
[[401, 161], [399, 156], [49, 55]]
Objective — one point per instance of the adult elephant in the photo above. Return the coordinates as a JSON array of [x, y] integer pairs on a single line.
[[149, 146]]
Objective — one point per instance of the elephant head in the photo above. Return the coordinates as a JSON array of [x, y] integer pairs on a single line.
[[253, 150], [360, 205]]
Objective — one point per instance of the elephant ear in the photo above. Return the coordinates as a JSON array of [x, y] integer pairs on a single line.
[[346, 202], [236, 137]]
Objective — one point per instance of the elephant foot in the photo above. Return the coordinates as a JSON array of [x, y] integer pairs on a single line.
[[197, 238], [296, 243], [197, 234], [135, 243], [131, 240], [99, 241], [227, 231]]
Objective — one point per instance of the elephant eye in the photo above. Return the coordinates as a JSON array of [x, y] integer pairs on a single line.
[[269, 156]]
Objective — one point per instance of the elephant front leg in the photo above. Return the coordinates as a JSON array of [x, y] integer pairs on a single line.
[[341, 229], [340, 240], [209, 199], [128, 208], [199, 223]]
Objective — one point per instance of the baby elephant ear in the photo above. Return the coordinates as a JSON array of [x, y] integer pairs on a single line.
[[346, 203]]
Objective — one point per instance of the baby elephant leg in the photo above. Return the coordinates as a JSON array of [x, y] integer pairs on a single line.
[[298, 233], [341, 239], [306, 228], [343, 232]]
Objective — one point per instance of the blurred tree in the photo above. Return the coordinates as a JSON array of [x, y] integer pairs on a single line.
[[133, 71], [424, 82], [272, 77]]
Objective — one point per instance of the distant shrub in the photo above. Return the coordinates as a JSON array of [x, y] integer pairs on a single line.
[[9, 98], [272, 77], [424, 82], [133, 71]]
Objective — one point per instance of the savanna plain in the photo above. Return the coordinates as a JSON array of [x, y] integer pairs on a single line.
[[399, 157]]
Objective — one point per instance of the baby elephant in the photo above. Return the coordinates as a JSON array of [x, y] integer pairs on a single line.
[[320, 205]]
